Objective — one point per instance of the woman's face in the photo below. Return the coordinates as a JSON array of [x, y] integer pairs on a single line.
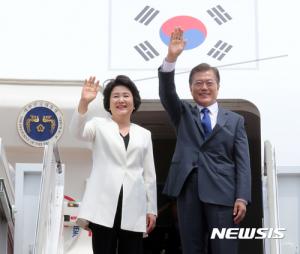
[[121, 101]]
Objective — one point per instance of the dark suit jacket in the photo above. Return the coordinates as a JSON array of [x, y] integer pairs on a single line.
[[222, 159]]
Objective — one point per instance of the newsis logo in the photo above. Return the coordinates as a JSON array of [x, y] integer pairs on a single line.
[[247, 233]]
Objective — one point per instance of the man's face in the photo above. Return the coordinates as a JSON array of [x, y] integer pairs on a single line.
[[204, 88]]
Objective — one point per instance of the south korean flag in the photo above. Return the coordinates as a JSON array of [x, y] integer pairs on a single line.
[[221, 33]]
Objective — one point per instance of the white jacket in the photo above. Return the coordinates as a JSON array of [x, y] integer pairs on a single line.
[[114, 166]]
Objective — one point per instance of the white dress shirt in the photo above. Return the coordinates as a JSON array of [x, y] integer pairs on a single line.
[[213, 113]]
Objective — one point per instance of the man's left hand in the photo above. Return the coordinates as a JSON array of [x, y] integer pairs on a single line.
[[239, 211]]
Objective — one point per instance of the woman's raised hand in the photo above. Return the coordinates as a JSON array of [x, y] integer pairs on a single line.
[[89, 90], [89, 93]]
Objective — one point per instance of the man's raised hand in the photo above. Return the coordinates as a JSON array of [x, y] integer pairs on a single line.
[[176, 45]]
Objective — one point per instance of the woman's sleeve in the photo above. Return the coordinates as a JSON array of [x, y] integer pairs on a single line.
[[150, 177], [82, 129]]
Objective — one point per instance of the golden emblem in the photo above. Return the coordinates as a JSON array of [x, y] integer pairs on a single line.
[[48, 119], [31, 119], [40, 127]]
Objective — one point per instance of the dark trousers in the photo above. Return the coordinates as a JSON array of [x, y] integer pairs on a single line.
[[197, 219], [115, 240]]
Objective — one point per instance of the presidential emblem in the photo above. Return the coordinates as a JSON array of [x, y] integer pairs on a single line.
[[39, 122]]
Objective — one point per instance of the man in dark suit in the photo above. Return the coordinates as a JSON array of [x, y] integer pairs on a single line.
[[210, 171]]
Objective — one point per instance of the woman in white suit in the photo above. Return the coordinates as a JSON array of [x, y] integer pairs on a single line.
[[120, 202]]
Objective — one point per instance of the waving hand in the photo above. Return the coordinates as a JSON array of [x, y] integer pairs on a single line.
[[88, 94], [176, 45]]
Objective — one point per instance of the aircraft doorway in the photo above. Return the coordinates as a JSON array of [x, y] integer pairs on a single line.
[[165, 238]]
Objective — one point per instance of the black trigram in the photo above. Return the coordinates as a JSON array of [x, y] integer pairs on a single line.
[[146, 50], [219, 14], [146, 15], [219, 50]]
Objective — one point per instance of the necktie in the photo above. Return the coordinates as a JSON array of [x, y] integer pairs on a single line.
[[205, 121]]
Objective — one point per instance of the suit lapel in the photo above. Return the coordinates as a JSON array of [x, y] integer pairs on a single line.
[[196, 116], [221, 120], [119, 147], [132, 139]]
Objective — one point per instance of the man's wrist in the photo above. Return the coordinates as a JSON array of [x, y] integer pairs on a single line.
[[171, 59], [242, 200], [167, 66]]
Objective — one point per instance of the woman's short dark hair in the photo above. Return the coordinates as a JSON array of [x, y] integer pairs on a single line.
[[120, 80], [204, 67]]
